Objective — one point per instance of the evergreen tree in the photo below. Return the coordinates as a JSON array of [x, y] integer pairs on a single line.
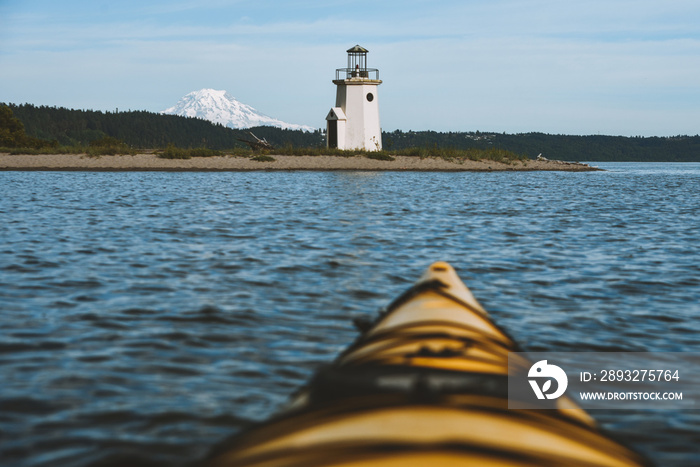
[[12, 133]]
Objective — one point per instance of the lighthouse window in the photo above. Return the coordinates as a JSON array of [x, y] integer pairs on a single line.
[[370, 96]]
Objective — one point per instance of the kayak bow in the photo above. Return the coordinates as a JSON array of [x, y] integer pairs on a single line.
[[424, 385]]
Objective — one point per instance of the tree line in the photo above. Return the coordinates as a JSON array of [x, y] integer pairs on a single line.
[[597, 148], [147, 130], [141, 129]]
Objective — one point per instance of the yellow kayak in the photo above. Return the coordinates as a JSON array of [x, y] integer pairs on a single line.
[[425, 385]]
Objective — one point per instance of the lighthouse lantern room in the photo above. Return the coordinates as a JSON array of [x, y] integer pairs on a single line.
[[354, 121]]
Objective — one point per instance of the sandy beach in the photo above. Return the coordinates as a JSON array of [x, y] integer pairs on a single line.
[[151, 162]]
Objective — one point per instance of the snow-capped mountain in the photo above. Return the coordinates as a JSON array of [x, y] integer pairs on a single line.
[[222, 107]]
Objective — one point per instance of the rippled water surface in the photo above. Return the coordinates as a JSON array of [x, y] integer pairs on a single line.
[[148, 315]]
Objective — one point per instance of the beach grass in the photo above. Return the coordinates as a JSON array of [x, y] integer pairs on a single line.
[[111, 146], [87, 150], [106, 146], [448, 154]]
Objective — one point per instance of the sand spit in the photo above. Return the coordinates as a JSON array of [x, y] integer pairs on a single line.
[[151, 162]]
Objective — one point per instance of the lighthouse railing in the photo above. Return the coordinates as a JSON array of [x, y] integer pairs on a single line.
[[357, 73]]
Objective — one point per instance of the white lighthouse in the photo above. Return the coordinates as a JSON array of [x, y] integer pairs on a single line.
[[354, 121]]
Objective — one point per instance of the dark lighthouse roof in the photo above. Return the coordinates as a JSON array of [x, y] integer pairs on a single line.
[[357, 49]]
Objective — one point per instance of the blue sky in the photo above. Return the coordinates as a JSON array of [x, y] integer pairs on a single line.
[[618, 67]]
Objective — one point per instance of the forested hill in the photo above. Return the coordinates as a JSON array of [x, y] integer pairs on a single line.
[[142, 129], [562, 147]]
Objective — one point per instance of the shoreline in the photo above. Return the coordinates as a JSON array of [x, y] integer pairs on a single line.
[[151, 162]]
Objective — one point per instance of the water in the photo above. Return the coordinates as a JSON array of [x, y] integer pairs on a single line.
[[147, 315]]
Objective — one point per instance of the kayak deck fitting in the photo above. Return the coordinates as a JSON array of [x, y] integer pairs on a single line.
[[426, 384]]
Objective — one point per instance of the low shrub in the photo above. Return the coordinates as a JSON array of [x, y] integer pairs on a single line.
[[108, 146], [173, 152], [204, 152], [263, 158], [379, 156]]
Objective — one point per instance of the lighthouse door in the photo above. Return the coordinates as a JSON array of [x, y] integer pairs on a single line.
[[332, 133]]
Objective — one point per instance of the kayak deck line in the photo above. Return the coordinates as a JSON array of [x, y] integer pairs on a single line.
[[425, 384]]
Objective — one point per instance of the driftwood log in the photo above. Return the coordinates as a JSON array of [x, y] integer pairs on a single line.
[[257, 143]]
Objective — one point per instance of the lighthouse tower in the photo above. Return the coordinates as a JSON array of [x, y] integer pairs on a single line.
[[354, 121]]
